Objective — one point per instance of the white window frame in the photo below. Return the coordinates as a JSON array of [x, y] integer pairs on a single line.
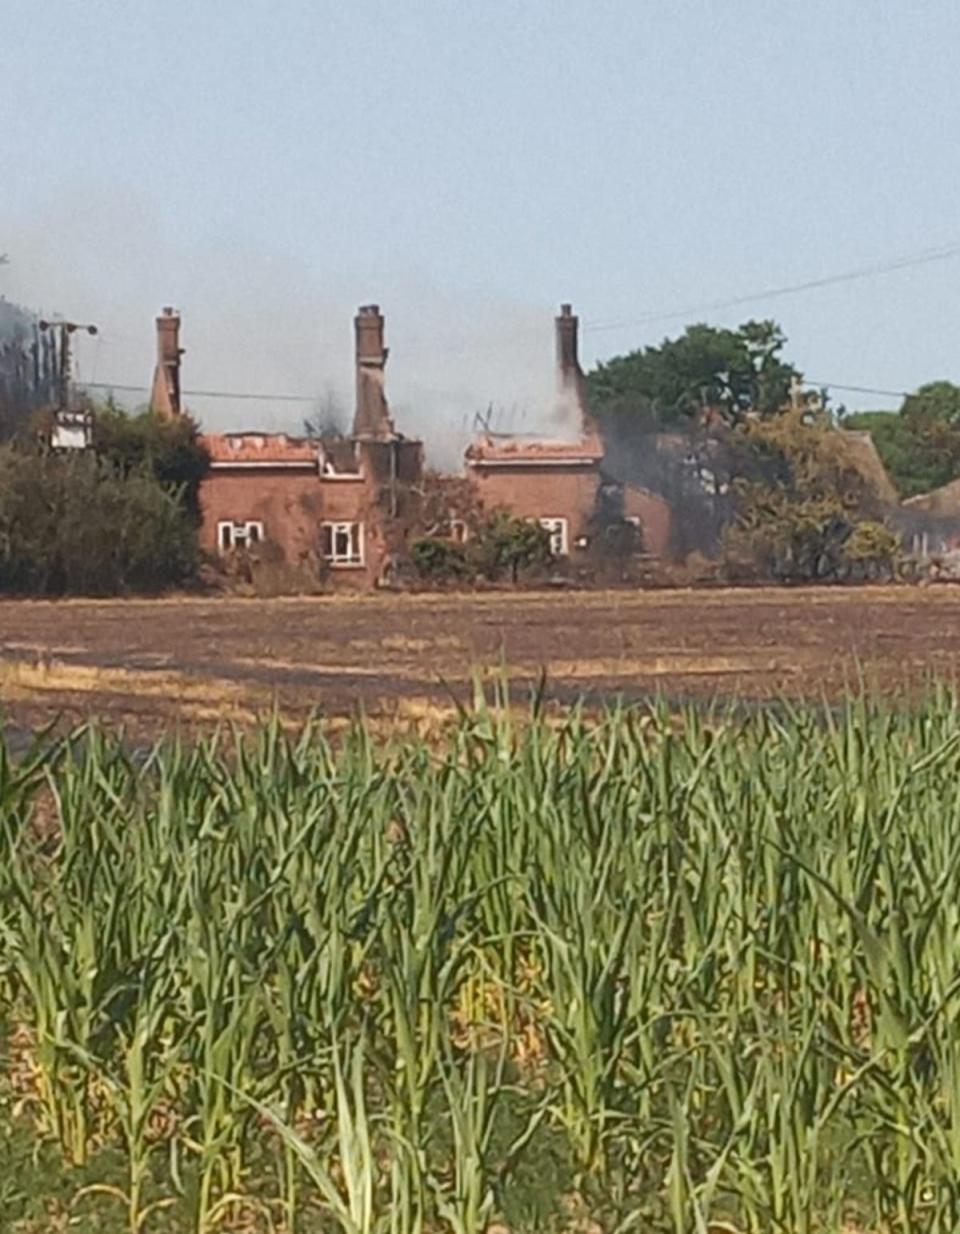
[[559, 529], [459, 531], [231, 535], [353, 555]]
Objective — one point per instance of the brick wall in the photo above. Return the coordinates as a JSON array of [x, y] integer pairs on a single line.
[[292, 504], [654, 515], [542, 492]]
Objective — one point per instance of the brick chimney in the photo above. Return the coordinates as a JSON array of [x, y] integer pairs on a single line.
[[568, 362], [571, 385], [372, 415], [165, 394]]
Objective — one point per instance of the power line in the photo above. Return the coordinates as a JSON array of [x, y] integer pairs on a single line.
[[944, 252], [231, 394], [836, 385], [926, 257]]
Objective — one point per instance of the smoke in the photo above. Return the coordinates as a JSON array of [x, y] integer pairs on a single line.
[[257, 319], [691, 470]]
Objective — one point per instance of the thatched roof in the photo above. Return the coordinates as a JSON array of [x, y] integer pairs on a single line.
[[863, 454], [940, 501]]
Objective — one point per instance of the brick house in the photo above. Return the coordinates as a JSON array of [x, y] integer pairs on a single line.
[[335, 507], [341, 508], [561, 482]]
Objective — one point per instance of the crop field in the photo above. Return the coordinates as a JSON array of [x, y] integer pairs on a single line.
[[153, 664], [322, 926], [649, 968]]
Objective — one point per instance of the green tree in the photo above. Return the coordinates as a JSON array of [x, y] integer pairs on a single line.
[[730, 371], [937, 402], [920, 444], [169, 450], [440, 560], [508, 545], [75, 524], [803, 509]]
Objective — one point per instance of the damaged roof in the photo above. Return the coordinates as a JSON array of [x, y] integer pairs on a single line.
[[524, 451], [252, 449]]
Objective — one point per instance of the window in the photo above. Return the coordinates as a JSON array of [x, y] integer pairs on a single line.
[[342, 543], [458, 531], [557, 527], [238, 535]]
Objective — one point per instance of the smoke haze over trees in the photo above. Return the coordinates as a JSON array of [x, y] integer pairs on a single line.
[[28, 365]]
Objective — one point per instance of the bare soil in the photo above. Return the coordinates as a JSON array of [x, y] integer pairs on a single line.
[[151, 663]]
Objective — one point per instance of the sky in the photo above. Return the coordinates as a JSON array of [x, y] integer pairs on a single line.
[[266, 167]]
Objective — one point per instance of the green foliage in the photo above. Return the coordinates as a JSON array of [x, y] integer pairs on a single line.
[[167, 449], [912, 468], [499, 545], [439, 560], [804, 511], [935, 402], [507, 545], [663, 970], [730, 371], [920, 444], [871, 545], [76, 524]]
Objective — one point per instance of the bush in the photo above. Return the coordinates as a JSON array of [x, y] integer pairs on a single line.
[[439, 560], [168, 450], [506, 545], [500, 545], [77, 524]]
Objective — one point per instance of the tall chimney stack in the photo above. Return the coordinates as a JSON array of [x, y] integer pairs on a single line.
[[568, 361], [372, 415], [571, 384], [165, 393]]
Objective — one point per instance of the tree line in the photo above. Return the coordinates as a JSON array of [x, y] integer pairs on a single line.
[[769, 478], [758, 469]]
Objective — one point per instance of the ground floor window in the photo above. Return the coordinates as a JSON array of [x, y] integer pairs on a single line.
[[238, 535], [557, 528], [342, 543]]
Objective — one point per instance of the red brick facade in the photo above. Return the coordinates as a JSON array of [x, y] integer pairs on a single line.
[[561, 483], [557, 483], [339, 509], [345, 525]]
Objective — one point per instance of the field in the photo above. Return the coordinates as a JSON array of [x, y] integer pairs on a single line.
[[148, 664], [667, 963], [650, 970]]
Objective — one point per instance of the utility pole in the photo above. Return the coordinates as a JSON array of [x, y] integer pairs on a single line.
[[66, 328]]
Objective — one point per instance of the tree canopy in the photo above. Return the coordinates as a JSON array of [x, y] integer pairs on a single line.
[[920, 443], [76, 524], [727, 371], [167, 450], [804, 509]]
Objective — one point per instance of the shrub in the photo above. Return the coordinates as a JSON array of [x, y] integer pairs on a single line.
[[439, 560], [168, 450], [78, 524], [507, 545]]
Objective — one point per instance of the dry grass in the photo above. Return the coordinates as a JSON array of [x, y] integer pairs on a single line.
[[199, 659]]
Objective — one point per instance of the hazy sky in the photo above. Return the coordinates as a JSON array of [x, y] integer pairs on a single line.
[[266, 167]]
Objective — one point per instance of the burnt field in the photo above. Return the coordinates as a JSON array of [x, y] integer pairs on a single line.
[[152, 663]]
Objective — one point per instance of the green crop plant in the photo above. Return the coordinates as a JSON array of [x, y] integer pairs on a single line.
[[671, 969]]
